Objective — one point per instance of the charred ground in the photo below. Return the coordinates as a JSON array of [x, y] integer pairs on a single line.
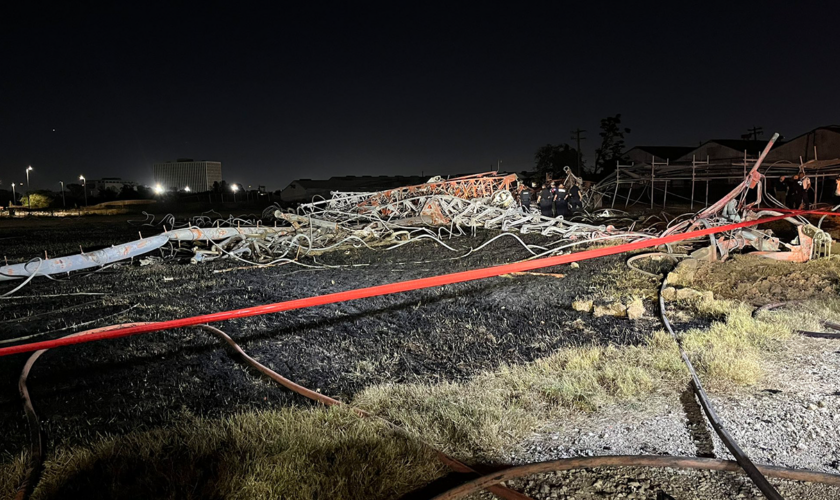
[[441, 334]]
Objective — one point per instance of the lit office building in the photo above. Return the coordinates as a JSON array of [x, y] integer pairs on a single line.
[[186, 173]]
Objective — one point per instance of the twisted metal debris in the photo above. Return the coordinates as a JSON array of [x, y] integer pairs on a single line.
[[438, 210]]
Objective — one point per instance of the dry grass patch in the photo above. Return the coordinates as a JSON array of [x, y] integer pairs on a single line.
[[495, 411], [807, 315], [12, 473], [619, 282], [729, 352], [291, 453]]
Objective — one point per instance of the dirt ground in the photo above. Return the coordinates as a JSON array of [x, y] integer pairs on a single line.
[[441, 334]]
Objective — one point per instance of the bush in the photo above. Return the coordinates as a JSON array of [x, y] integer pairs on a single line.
[[38, 200]]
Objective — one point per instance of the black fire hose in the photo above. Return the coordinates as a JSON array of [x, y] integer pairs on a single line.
[[743, 460], [817, 335]]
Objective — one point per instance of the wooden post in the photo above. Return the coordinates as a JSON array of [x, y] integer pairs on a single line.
[[693, 166], [665, 198], [816, 189], [745, 164], [615, 195], [629, 188], [652, 179], [707, 192]]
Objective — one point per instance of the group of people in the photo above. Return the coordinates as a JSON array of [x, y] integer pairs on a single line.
[[796, 192], [553, 199]]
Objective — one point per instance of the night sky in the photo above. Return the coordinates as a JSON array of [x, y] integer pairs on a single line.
[[398, 88]]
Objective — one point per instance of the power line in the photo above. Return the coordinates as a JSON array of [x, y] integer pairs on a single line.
[[753, 133], [576, 135]]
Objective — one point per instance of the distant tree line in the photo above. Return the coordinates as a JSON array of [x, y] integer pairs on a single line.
[[551, 158]]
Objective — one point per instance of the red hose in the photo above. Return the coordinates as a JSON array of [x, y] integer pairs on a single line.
[[803, 212], [388, 289]]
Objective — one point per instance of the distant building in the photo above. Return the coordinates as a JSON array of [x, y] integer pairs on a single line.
[[821, 143], [115, 184], [824, 142], [725, 149], [659, 154], [185, 172]]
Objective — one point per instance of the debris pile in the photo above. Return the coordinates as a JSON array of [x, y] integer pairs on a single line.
[[454, 206], [437, 210]]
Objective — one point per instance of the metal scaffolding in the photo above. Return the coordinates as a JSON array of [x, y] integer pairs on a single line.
[[656, 176]]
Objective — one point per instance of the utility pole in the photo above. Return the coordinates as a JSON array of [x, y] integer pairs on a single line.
[[755, 132], [84, 186], [576, 135], [28, 192]]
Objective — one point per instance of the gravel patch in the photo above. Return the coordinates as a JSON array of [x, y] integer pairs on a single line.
[[791, 419]]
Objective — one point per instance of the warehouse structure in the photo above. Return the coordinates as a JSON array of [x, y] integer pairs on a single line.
[[654, 173]]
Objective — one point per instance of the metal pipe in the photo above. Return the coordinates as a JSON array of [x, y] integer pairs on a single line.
[[126, 251], [631, 461]]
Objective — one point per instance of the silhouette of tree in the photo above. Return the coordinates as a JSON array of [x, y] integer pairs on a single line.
[[612, 145], [76, 192], [107, 194], [145, 193], [551, 159], [128, 193]]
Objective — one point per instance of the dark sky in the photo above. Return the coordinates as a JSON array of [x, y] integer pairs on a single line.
[[359, 88]]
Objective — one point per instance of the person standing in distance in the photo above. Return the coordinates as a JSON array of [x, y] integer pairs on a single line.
[[806, 192], [561, 205], [780, 187], [574, 198], [795, 193], [544, 201], [525, 198], [837, 191]]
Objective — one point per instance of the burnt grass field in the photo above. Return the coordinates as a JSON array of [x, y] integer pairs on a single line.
[[449, 333]]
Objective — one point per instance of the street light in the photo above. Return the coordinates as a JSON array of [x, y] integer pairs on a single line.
[[63, 201], [84, 186], [234, 188], [187, 189], [28, 196], [14, 195]]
